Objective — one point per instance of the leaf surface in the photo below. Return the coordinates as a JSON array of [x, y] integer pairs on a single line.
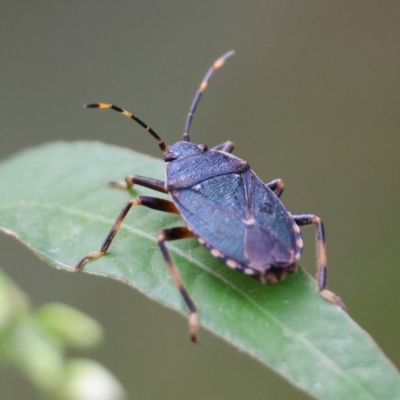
[[54, 199]]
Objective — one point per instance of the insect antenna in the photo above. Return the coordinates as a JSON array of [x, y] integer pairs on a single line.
[[217, 64], [128, 114]]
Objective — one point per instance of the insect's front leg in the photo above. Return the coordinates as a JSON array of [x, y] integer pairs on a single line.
[[181, 232], [150, 202], [227, 147], [308, 219], [145, 181], [277, 186]]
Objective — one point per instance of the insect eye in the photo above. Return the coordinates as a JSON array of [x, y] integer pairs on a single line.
[[169, 156], [202, 147]]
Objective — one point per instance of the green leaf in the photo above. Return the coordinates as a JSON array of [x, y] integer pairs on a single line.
[[69, 325], [13, 302], [55, 199], [34, 341], [37, 356]]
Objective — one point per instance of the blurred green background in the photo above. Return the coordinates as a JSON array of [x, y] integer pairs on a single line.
[[311, 96]]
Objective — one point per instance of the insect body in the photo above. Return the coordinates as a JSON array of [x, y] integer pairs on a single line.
[[225, 206]]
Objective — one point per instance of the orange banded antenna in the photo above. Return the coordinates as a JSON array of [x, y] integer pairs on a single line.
[[128, 114], [203, 86]]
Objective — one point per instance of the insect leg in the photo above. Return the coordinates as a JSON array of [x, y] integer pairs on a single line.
[[308, 219], [175, 234], [227, 147], [150, 202], [276, 186], [131, 180]]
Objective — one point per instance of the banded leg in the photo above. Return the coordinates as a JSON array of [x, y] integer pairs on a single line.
[[181, 232], [150, 202], [227, 147], [217, 64], [276, 186], [308, 219], [145, 181]]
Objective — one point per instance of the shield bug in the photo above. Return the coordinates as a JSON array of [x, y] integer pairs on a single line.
[[236, 216]]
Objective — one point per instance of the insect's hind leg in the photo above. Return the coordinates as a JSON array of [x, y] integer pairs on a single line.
[[145, 181], [150, 202], [227, 147], [308, 219], [181, 232]]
